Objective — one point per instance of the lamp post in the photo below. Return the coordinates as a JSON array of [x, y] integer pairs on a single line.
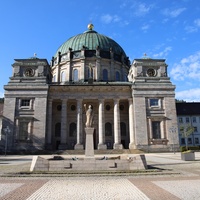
[[6, 131], [172, 130]]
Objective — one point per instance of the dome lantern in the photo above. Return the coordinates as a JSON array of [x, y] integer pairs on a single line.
[[90, 27]]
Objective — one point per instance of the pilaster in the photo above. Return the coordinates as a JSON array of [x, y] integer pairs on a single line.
[[79, 142], [101, 144], [117, 134]]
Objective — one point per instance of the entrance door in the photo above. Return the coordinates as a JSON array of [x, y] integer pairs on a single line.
[[95, 139]]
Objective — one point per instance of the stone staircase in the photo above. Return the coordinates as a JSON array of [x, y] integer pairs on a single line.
[[99, 152]]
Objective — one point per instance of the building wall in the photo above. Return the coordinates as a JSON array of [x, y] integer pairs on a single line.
[[194, 138]]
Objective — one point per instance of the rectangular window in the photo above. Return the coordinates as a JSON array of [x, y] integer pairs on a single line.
[[196, 140], [154, 102], [180, 119], [194, 119], [25, 102], [23, 131], [189, 140], [156, 130], [187, 120], [182, 140], [195, 129]]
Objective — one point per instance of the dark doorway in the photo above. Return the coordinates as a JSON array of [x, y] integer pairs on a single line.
[[57, 144], [95, 139]]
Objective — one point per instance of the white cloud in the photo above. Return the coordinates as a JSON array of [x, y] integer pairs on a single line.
[[163, 53], [188, 67], [173, 13], [197, 22], [107, 18], [191, 95], [193, 28], [141, 9], [145, 27]]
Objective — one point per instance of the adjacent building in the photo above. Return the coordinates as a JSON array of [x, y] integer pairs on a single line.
[[188, 114], [133, 102]]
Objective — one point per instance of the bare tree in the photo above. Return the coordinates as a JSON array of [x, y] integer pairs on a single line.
[[186, 130]]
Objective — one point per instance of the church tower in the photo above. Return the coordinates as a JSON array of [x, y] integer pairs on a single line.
[[26, 103], [153, 104]]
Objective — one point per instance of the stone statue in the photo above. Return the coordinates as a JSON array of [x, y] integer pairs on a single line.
[[89, 116]]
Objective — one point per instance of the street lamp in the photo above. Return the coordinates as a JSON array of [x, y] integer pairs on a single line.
[[6, 131], [172, 130]]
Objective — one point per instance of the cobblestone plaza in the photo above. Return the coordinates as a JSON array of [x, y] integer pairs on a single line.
[[177, 180]]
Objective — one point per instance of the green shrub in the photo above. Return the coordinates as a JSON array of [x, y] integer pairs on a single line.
[[195, 148], [182, 148]]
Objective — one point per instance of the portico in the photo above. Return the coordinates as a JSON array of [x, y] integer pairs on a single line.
[[66, 118]]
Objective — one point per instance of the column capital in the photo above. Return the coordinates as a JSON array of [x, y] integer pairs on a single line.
[[79, 100], [116, 100], [101, 100], [64, 100], [130, 99]]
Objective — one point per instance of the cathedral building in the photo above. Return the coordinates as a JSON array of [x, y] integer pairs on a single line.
[[133, 103]]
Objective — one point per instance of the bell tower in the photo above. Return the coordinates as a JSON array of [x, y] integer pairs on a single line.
[[154, 105], [25, 104]]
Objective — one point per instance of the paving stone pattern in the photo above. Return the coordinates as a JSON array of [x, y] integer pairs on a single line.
[[5, 188], [89, 189], [183, 189], [179, 180]]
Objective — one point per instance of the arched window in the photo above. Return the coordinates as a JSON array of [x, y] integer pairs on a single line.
[[117, 78], [108, 129], [57, 129], [90, 72], [105, 75], [54, 78], [123, 128], [75, 77], [62, 76], [72, 130]]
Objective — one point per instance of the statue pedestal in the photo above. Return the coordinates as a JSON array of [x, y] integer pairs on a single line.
[[89, 145]]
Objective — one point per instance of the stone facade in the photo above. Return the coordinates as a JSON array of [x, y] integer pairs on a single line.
[[133, 105]]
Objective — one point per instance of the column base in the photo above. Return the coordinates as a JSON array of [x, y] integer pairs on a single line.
[[62, 147], [102, 146], [132, 146], [117, 146], [78, 147]]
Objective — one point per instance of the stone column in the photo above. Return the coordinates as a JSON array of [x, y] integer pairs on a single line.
[[117, 134], [63, 144], [162, 130], [101, 144], [150, 128], [79, 144], [17, 129], [49, 127], [131, 132]]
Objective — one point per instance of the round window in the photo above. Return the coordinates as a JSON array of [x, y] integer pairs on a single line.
[[107, 107], [59, 107], [121, 107], [73, 107]]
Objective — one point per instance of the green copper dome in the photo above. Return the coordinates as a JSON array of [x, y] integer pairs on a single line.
[[90, 40]]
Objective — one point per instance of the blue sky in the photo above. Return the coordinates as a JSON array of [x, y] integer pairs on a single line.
[[167, 29]]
